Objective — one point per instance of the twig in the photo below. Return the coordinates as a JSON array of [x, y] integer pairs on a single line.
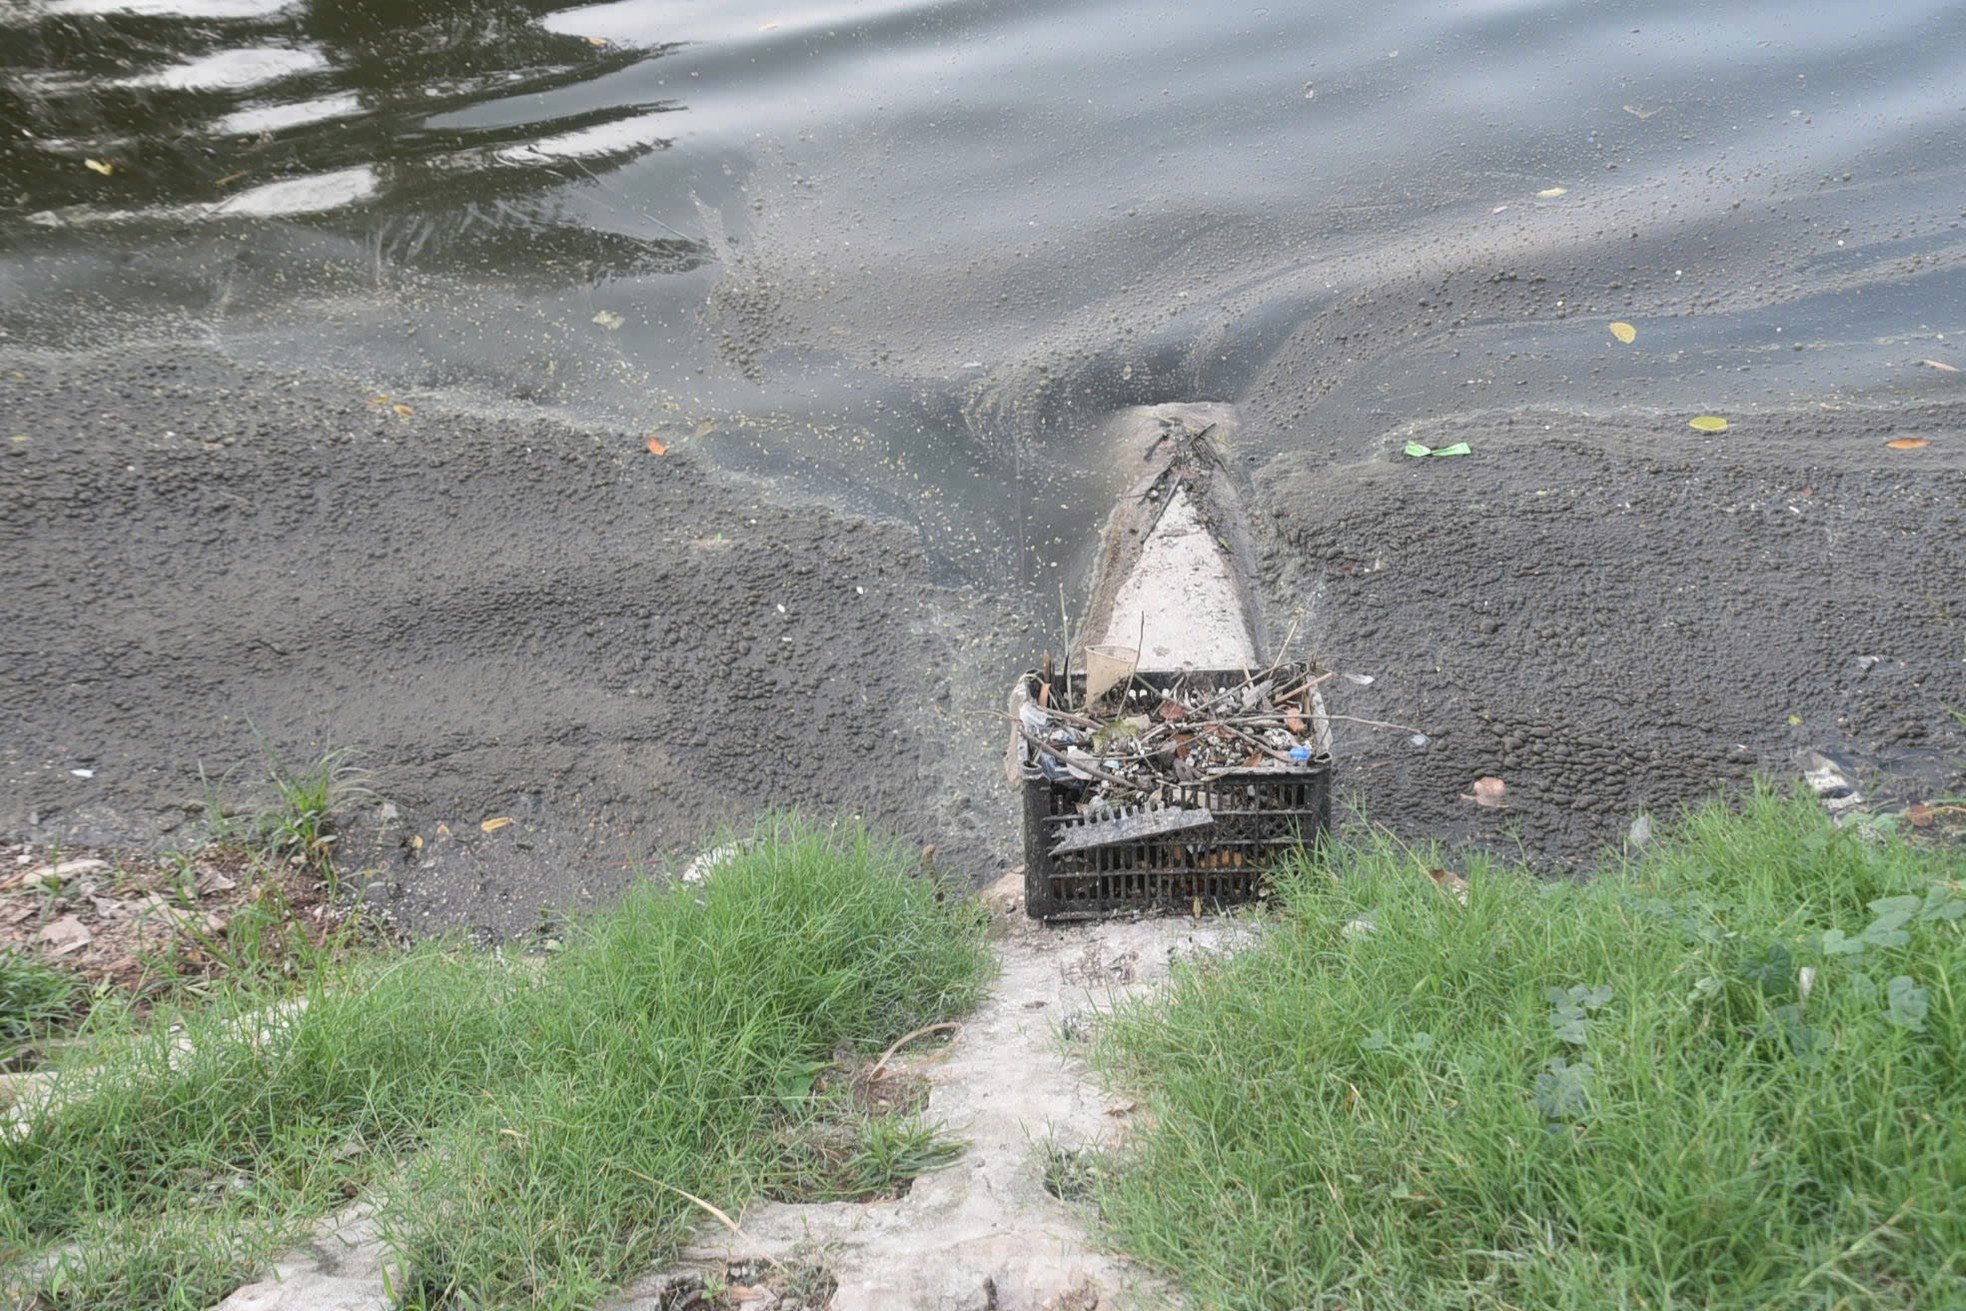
[[1283, 652], [715, 1214], [1258, 743], [1080, 765], [904, 1040], [1304, 686], [1377, 723]]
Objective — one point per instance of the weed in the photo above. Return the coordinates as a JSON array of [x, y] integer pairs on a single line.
[[36, 999], [300, 826], [1726, 1073], [1071, 1174]]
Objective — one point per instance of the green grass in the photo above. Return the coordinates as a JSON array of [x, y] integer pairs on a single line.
[[1729, 1075], [301, 823], [36, 1000], [524, 1123]]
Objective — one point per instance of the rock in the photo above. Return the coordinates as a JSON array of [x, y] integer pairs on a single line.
[[212, 881], [62, 871], [66, 934]]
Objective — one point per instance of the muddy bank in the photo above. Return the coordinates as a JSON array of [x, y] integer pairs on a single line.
[[1616, 614], [501, 615]]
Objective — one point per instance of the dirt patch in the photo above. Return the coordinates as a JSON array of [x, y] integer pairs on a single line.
[[1616, 615], [801, 1282], [505, 617], [136, 923]]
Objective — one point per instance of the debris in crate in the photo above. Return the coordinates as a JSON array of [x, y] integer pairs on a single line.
[[1129, 824], [1139, 746]]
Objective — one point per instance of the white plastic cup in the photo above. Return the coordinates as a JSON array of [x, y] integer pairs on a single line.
[[1106, 667]]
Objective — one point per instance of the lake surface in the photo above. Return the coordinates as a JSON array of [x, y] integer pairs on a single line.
[[901, 256]]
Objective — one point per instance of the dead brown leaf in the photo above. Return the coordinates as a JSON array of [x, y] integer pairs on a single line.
[[1940, 365], [1920, 815], [656, 447], [1490, 792], [1448, 881], [496, 823], [1908, 443], [402, 411]]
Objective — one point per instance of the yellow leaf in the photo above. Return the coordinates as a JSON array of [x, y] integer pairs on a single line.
[[597, 40], [769, 27], [99, 166], [1552, 193], [1908, 443], [494, 825], [1624, 332], [403, 410], [1708, 423], [443, 830], [416, 842], [1795, 719]]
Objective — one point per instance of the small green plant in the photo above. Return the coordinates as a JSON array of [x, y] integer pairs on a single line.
[[36, 999], [300, 825], [1070, 1174]]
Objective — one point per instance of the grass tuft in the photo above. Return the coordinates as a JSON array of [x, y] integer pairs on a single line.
[[1729, 1074], [301, 824], [664, 1042], [36, 999]]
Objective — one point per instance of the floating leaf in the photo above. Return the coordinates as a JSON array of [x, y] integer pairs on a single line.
[[1708, 423], [1908, 443], [656, 447], [495, 824], [1551, 193], [1638, 113], [1940, 365], [1624, 332], [772, 26], [1417, 450], [704, 429], [403, 410], [1491, 792], [609, 319], [101, 166]]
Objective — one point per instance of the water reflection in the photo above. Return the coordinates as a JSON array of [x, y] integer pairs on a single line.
[[115, 112]]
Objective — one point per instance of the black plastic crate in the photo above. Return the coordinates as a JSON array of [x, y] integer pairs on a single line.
[[1261, 815]]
